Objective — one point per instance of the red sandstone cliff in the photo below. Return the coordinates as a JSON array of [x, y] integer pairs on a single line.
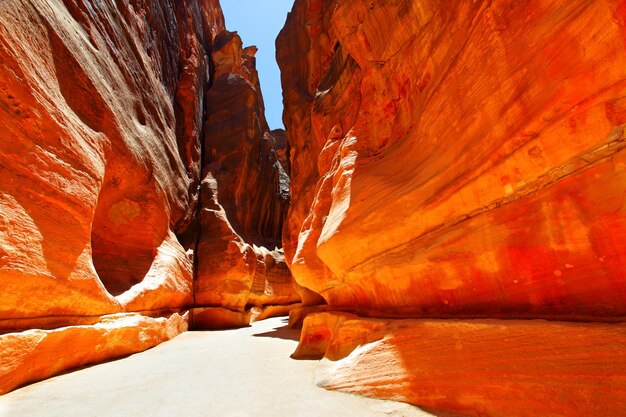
[[457, 160], [461, 159], [245, 195], [450, 160], [98, 155], [103, 118]]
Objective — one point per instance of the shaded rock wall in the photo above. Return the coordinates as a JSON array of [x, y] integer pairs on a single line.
[[458, 159], [104, 114], [245, 195]]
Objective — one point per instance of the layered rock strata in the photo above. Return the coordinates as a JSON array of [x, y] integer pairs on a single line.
[[103, 112], [35, 354], [459, 159], [97, 155], [473, 367]]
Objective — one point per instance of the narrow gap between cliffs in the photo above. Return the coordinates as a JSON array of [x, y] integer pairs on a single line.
[[243, 193]]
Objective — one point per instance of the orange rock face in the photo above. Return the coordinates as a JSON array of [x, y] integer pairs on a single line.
[[97, 157], [464, 159], [103, 120], [35, 354], [461, 159], [473, 367], [245, 195], [101, 109]]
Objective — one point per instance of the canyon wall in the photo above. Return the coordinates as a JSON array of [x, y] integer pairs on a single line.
[[460, 160], [105, 110], [245, 195]]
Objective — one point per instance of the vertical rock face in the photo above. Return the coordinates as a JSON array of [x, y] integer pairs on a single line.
[[464, 159], [100, 122], [239, 147], [103, 111], [458, 159], [101, 106], [245, 194]]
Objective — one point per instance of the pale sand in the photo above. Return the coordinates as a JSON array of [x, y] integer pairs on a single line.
[[234, 373]]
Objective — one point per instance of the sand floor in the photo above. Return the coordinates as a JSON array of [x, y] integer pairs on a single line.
[[234, 373]]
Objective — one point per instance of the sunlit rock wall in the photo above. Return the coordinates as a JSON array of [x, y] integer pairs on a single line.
[[103, 112], [101, 107], [460, 159], [100, 123]]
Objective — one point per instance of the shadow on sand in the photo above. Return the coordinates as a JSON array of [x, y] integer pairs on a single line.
[[282, 332]]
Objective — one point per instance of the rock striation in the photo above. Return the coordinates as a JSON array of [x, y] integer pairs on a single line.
[[96, 178], [459, 160], [456, 170], [473, 367], [105, 111]]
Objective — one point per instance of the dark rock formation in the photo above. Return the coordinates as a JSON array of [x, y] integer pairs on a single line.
[[245, 194]]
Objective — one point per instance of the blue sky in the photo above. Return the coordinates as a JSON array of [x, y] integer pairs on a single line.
[[258, 23]]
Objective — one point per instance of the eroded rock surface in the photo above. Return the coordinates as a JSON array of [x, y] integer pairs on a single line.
[[465, 159], [460, 159], [473, 367], [103, 120], [98, 155], [245, 195], [36, 354]]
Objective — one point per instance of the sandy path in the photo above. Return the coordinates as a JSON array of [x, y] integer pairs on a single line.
[[234, 373]]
